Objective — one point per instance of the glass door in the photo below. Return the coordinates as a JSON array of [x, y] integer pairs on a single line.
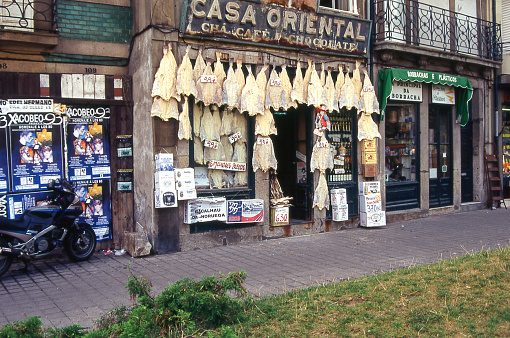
[[440, 159]]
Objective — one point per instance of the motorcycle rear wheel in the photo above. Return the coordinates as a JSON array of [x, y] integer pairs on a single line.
[[5, 261], [80, 244]]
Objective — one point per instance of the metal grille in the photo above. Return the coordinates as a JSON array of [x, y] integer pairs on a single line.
[[28, 16], [423, 25]]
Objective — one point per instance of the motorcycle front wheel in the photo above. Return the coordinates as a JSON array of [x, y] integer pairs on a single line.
[[5, 261], [80, 243]]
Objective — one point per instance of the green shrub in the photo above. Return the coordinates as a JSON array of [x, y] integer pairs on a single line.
[[32, 327], [187, 307]]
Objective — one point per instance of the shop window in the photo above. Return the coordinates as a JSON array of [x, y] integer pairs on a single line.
[[505, 137], [340, 137], [220, 139], [342, 5], [401, 145]]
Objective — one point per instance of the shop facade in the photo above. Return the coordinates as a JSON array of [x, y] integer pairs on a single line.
[[260, 155], [438, 106]]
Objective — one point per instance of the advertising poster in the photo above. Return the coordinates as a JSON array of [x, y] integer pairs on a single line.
[[245, 211], [17, 203], [88, 146], [4, 159], [35, 149], [3, 205], [94, 196]]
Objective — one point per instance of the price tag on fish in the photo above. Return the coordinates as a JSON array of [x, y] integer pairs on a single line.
[[234, 137], [275, 82], [208, 78], [263, 140], [323, 144], [369, 89], [211, 144]]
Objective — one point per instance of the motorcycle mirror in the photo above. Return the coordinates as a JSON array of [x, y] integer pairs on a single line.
[[51, 184]]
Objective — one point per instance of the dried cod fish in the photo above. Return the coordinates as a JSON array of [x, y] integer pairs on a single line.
[[185, 81]]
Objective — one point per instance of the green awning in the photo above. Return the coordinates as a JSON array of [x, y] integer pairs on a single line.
[[387, 76]]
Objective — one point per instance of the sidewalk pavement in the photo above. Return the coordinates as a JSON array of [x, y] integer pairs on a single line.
[[62, 292]]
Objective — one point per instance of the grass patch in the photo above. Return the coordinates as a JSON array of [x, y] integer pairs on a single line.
[[467, 296]]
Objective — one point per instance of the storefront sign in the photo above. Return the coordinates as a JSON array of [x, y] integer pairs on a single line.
[[94, 196], [443, 94], [232, 166], [30, 105], [262, 23], [245, 211], [406, 91], [205, 210], [35, 150], [465, 90], [88, 150]]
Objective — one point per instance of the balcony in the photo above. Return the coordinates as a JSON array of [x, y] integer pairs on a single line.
[[29, 22], [420, 25]]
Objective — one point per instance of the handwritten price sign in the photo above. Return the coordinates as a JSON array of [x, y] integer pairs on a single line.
[[208, 78], [275, 82], [263, 140], [281, 215], [234, 137], [323, 144], [211, 144]]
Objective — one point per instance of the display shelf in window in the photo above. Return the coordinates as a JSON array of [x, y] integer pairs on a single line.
[[340, 137], [400, 147]]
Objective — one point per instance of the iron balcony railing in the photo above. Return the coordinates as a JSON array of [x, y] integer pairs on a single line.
[[418, 24], [28, 15]]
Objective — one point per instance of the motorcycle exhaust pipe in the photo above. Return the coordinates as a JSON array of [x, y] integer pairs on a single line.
[[10, 252]]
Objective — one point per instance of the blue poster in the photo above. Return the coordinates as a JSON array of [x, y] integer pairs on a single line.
[[35, 149], [3, 205], [88, 146], [4, 157], [17, 203], [94, 196]]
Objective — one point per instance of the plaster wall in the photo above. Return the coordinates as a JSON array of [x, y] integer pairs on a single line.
[[142, 70]]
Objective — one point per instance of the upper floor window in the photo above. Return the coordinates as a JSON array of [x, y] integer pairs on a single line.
[[16, 15], [342, 5]]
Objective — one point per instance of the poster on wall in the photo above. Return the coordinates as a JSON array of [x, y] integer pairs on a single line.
[[94, 196], [4, 159], [88, 146], [17, 203], [35, 148]]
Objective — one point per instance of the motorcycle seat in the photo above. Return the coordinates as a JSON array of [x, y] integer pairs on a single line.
[[19, 224]]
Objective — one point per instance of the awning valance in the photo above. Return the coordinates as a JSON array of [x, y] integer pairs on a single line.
[[387, 76]]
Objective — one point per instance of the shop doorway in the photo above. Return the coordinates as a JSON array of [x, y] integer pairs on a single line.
[[440, 159], [292, 150]]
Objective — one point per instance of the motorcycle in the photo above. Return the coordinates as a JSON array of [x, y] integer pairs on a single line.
[[41, 229]]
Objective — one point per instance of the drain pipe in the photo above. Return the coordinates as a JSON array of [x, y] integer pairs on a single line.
[[496, 80]]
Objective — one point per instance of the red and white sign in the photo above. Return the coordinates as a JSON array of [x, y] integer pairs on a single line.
[[208, 78], [232, 166], [275, 82], [263, 140], [234, 137], [323, 144], [211, 144]]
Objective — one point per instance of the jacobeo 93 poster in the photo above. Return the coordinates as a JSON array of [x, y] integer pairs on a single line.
[[88, 146]]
